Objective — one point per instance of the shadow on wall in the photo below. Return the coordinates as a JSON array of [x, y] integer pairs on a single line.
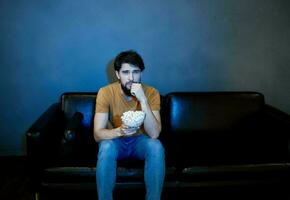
[[111, 75]]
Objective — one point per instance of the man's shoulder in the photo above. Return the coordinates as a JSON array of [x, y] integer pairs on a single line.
[[109, 88], [150, 89]]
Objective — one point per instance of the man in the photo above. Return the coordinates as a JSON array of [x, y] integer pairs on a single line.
[[117, 141]]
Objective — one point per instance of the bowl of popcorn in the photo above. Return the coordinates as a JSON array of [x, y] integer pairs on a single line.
[[133, 119]]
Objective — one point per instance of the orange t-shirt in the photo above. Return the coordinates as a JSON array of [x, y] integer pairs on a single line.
[[111, 100]]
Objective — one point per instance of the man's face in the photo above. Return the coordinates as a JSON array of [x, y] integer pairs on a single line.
[[127, 75]]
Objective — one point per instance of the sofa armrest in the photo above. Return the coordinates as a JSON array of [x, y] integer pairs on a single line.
[[279, 116], [279, 120], [44, 135]]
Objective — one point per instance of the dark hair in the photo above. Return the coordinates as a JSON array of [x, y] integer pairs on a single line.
[[130, 57]]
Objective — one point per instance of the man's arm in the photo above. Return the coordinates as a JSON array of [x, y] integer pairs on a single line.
[[100, 128], [152, 122]]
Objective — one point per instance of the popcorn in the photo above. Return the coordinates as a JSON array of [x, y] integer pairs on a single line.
[[133, 118]]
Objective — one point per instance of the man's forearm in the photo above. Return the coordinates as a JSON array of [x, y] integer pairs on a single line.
[[105, 134], [151, 124]]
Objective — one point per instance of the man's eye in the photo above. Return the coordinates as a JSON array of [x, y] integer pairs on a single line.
[[125, 72]]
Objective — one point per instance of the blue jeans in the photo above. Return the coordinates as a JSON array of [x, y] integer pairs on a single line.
[[140, 147]]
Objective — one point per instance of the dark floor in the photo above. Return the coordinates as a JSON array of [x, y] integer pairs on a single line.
[[14, 183], [13, 179]]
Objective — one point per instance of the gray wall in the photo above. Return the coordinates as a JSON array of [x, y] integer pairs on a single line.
[[52, 46]]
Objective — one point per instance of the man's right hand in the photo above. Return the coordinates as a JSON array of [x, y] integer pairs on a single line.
[[128, 131]]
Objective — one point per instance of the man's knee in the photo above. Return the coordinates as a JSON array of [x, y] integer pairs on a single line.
[[155, 146], [107, 148]]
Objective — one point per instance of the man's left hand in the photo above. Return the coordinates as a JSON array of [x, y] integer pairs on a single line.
[[137, 91]]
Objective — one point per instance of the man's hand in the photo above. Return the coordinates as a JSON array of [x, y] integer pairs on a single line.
[[128, 131], [137, 91], [119, 132]]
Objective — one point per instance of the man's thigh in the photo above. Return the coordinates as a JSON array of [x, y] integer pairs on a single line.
[[145, 145]]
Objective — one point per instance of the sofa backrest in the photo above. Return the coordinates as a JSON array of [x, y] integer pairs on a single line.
[[83, 146], [205, 111], [214, 127], [210, 126], [83, 102]]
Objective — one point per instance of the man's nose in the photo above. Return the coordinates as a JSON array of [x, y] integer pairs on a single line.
[[131, 78]]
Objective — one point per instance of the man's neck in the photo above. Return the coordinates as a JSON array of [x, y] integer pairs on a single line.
[[127, 98]]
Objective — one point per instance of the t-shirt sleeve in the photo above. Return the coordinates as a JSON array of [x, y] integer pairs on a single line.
[[102, 101], [154, 99]]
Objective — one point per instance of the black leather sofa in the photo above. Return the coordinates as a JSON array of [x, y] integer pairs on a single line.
[[212, 140]]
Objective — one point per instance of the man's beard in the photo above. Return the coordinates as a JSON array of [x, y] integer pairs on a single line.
[[126, 90]]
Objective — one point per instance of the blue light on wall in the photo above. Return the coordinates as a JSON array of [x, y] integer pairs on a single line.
[[49, 47]]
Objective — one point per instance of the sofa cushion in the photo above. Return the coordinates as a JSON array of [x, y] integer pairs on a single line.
[[210, 111], [69, 175], [248, 172], [217, 128]]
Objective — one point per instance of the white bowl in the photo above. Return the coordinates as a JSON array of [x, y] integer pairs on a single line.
[[133, 118]]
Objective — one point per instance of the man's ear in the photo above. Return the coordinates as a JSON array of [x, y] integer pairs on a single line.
[[117, 74]]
